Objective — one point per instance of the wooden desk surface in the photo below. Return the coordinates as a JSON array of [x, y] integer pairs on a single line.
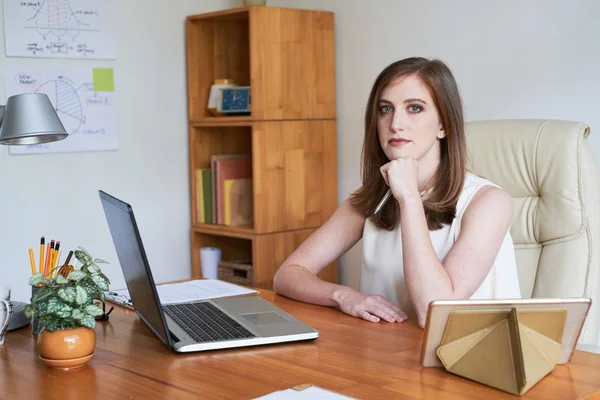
[[353, 357]]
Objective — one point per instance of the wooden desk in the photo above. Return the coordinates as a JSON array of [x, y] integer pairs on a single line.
[[353, 357]]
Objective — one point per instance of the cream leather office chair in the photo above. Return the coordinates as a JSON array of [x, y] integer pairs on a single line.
[[550, 170]]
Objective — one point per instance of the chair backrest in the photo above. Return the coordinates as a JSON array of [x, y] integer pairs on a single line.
[[549, 169]]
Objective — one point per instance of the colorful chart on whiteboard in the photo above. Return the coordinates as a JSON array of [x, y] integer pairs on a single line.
[[83, 99], [59, 29]]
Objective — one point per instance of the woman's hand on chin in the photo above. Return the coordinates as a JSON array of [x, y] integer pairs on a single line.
[[401, 176]]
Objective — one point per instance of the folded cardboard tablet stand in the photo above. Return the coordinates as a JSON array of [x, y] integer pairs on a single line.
[[509, 350]]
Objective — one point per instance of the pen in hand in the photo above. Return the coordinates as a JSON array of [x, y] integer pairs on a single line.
[[383, 200]]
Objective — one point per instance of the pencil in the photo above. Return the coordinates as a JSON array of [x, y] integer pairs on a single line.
[[52, 259], [52, 255], [56, 262], [45, 272], [56, 254], [42, 243], [32, 261]]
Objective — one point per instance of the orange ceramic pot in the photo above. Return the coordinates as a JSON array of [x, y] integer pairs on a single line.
[[67, 344]]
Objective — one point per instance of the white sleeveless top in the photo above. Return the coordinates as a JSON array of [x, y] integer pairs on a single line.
[[383, 271]]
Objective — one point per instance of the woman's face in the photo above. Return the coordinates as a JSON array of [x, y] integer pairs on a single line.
[[408, 122]]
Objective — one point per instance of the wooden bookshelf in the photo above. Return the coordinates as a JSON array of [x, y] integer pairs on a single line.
[[287, 57]]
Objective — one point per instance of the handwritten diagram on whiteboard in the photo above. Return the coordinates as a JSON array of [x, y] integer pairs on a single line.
[[59, 29], [83, 99]]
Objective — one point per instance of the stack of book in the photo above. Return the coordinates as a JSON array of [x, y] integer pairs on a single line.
[[224, 191]]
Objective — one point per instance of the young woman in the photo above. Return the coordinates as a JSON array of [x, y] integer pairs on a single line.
[[444, 232]]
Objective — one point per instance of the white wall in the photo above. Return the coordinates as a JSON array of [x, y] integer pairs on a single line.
[[512, 59], [55, 195]]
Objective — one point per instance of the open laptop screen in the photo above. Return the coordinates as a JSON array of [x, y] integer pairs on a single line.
[[134, 263]]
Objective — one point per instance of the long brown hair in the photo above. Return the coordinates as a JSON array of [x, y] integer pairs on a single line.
[[440, 203]]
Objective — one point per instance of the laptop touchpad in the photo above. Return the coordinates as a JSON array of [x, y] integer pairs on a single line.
[[264, 318]]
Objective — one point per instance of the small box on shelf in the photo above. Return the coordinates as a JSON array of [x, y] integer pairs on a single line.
[[239, 272]]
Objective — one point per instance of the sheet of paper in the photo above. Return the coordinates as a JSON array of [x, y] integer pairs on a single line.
[[200, 289], [313, 393], [84, 99], [81, 29]]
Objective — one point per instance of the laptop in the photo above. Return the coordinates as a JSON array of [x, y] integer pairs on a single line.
[[201, 325]]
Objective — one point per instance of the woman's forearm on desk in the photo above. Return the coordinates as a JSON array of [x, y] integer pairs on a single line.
[[298, 283], [297, 277]]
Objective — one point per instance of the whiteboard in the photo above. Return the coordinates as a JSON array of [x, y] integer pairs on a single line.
[[59, 29], [83, 99]]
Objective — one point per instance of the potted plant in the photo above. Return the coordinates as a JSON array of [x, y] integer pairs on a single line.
[[63, 307]]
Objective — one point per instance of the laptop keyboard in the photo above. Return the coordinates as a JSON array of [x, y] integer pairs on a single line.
[[206, 323]]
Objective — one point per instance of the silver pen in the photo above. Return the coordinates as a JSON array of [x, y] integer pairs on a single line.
[[383, 200]]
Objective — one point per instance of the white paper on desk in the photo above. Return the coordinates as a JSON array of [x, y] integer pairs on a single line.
[[201, 289], [313, 393]]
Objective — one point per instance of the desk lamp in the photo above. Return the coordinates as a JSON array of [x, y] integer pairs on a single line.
[[28, 119]]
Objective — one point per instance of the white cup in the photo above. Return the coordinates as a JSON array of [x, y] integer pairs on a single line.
[[209, 260], [6, 311]]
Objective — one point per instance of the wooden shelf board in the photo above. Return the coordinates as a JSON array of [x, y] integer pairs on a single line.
[[244, 232], [230, 14], [222, 121], [242, 121]]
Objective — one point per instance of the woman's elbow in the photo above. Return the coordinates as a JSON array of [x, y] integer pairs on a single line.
[[279, 281], [421, 318]]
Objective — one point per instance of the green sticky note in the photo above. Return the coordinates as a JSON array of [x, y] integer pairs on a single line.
[[104, 80]]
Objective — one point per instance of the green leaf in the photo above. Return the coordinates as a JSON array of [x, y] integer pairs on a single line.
[[29, 311], [51, 326], [77, 314], [61, 280], [99, 261], [57, 307], [63, 310], [41, 293], [84, 251], [77, 275], [36, 279], [83, 256], [82, 296], [105, 277], [94, 310], [91, 288], [88, 321], [67, 294], [100, 282]]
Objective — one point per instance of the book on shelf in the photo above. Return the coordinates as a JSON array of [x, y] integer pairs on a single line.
[[200, 197], [238, 203], [217, 193], [204, 195], [229, 169]]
